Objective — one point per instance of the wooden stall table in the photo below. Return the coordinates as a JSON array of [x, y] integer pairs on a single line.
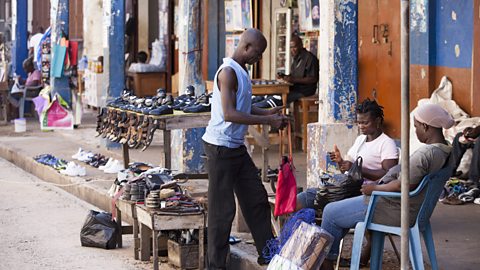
[[152, 222], [128, 208]]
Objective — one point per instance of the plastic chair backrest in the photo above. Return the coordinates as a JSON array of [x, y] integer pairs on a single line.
[[434, 184]]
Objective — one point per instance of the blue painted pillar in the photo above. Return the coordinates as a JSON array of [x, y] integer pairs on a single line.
[[338, 86], [19, 36], [114, 60], [187, 145], [60, 20]]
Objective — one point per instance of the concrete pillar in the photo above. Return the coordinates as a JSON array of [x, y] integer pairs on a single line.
[[19, 36], [114, 51], [338, 86], [59, 23], [187, 144]]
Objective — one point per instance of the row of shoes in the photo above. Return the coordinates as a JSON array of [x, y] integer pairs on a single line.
[[162, 103], [52, 161], [108, 165], [135, 130], [267, 102], [458, 192]]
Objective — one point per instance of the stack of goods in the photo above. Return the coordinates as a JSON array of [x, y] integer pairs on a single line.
[[306, 248]]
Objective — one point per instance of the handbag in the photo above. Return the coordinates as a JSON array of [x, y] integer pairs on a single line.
[[286, 191], [340, 186]]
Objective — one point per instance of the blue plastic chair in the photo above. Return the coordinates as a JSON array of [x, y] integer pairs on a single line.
[[434, 184]]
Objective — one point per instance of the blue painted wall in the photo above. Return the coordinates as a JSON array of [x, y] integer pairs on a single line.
[[343, 96], [437, 27], [19, 46], [450, 32]]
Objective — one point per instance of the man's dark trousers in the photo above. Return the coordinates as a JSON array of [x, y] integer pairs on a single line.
[[232, 170], [457, 154]]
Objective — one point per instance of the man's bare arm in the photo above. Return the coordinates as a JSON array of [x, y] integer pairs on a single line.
[[227, 82]]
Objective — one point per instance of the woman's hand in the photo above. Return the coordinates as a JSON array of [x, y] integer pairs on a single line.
[[336, 156], [367, 189]]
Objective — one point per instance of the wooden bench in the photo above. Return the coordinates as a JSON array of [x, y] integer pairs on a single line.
[[305, 111]]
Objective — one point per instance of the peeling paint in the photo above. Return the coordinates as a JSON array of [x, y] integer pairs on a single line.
[[454, 15], [457, 50], [418, 16], [423, 73]]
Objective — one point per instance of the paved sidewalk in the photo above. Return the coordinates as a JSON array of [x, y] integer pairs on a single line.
[[455, 227]]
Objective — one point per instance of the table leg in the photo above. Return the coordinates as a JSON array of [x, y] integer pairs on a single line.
[[136, 240], [201, 247], [144, 242], [119, 224], [167, 149], [155, 249], [265, 154], [126, 155]]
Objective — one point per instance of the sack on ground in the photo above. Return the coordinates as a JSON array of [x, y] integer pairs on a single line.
[[99, 230], [340, 186]]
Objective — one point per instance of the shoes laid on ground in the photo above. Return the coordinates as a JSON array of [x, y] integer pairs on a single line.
[[115, 167], [108, 164], [73, 169], [270, 102], [476, 201], [470, 195], [79, 152], [451, 199]]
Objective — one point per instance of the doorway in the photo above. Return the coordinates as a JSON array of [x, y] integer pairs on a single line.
[[379, 58]]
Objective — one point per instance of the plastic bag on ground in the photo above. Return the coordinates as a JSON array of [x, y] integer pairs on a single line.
[[99, 230]]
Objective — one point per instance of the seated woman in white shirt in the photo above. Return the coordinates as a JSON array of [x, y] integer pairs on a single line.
[[378, 150]]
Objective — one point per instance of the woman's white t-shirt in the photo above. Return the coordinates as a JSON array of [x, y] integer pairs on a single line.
[[374, 152]]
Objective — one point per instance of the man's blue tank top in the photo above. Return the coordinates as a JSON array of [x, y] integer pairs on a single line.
[[228, 134]]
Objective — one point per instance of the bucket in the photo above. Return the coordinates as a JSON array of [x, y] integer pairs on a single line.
[[20, 125]]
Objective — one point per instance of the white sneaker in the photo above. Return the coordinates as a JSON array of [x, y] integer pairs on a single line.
[[78, 154], [86, 156], [108, 164], [115, 167], [73, 169]]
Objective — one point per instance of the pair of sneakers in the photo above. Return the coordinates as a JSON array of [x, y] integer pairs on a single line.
[[83, 155], [112, 166], [72, 169]]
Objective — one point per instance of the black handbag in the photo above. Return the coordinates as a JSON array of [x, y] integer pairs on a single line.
[[340, 186]]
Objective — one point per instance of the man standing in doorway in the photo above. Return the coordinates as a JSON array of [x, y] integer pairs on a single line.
[[303, 72], [230, 167]]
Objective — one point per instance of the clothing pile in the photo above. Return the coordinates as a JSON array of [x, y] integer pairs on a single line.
[[458, 192]]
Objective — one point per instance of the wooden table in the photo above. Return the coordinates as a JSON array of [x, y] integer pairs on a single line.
[[153, 222], [128, 208]]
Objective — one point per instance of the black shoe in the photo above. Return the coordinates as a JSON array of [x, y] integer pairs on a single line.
[[270, 102], [161, 93], [197, 108], [256, 99], [262, 260], [190, 91], [162, 110]]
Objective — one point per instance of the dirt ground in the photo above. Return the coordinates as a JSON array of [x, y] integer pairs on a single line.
[[40, 228]]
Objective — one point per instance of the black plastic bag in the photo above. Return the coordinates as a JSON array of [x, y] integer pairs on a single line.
[[99, 230], [341, 186]]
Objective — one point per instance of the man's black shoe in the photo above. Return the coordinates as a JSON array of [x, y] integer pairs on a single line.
[[262, 261]]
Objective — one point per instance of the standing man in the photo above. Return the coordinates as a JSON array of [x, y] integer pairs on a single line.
[[303, 71], [230, 167]]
